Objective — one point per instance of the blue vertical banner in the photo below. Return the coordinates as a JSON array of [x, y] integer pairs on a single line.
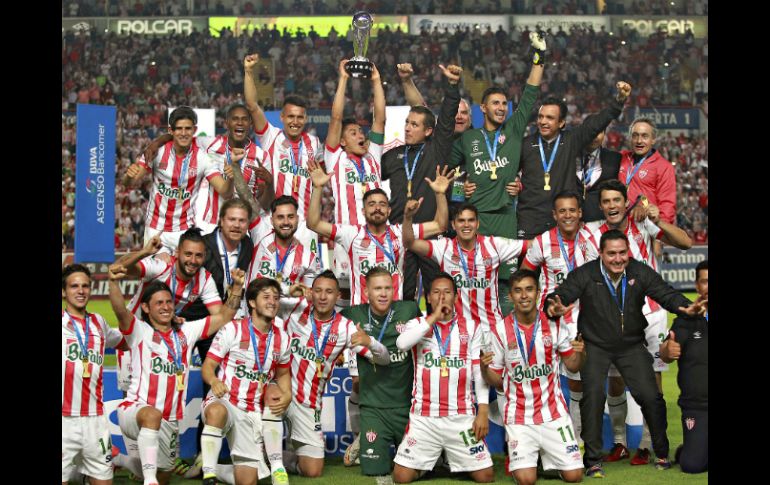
[[95, 184]]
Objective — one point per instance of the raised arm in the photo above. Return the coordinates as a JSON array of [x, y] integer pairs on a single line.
[[411, 93], [250, 92], [314, 222], [116, 273], [598, 122], [243, 190], [672, 234], [334, 132], [129, 261], [443, 136], [443, 180], [378, 124], [538, 59], [418, 246]]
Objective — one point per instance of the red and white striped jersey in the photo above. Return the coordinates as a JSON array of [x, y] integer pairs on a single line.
[[306, 387], [533, 392], [476, 296], [153, 378], [276, 145], [348, 187], [433, 395], [363, 255], [83, 396], [187, 292], [300, 267], [641, 241], [217, 149], [545, 253], [233, 350], [165, 210]]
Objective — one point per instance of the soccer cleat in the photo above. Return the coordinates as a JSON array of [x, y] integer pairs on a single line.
[[135, 478], [596, 471], [617, 453], [280, 477], [351, 454], [195, 470], [180, 467], [210, 481], [662, 464], [642, 457]]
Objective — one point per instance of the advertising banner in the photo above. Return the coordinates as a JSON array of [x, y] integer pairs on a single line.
[[553, 22], [455, 22], [667, 118], [322, 25], [678, 267], [158, 26], [673, 25], [95, 184]]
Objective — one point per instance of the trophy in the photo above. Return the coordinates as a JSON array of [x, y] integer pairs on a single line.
[[359, 66]]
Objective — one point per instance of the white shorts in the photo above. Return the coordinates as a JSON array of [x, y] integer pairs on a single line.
[[169, 239], [427, 436], [351, 361], [306, 429], [243, 431], [86, 440], [654, 334], [554, 441], [341, 264], [168, 435]]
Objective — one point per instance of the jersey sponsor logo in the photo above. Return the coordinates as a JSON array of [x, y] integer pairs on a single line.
[[241, 372], [162, 366], [74, 354], [353, 178], [266, 271], [398, 356], [531, 373], [431, 361], [476, 449], [479, 166], [307, 353], [172, 193], [371, 435], [474, 283], [364, 265], [286, 168]]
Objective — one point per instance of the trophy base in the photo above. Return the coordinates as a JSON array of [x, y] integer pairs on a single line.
[[359, 69]]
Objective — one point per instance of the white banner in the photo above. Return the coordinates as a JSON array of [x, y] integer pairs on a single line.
[[553, 22], [454, 22]]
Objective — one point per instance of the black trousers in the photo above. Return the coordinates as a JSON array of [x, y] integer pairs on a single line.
[[427, 267], [635, 366], [694, 457]]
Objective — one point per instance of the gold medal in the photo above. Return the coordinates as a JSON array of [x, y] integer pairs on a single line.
[[179, 380], [295, 184], [493, 175], [409, 190], [279, 277], [547, 185], [645, 202], [262, 377], [180, 195], [86, 370], [319, 366], [363, 189], [444, 368]]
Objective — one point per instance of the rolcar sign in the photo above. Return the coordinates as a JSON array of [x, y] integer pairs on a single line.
[[158, 26]]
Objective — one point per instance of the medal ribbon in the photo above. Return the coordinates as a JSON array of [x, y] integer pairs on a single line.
[[83, 340], [360, 169], [384, 324], [588, 172], [176, 354], [319, 351], [443, 345], [547, 167], [223, 250], [492, 153], [183, 170], [525, 356], [279, 264], [636, 168], [260, 363], [622, 303], [463, 261], [390, 255], [565, 252], [410, 173]]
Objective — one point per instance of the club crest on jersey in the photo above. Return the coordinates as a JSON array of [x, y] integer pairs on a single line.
[[690, 422], [371, 436], [464, 338], [642, 174], [512, 345], [333, 338], [486, 261], [365, 243], [192, 172], [638, 238], [400, 327], [513, 444], [631, 282], [455, 259], [410, 441], [547, 341], [501, 138]]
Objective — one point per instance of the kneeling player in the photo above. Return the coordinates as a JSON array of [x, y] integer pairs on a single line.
[[529, 346], [442, 416], [249, 352]]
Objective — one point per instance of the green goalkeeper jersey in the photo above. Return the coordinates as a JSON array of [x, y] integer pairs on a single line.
[[385, 386]]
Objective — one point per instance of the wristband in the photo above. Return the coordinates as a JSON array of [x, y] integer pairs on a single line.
[[538, 57]]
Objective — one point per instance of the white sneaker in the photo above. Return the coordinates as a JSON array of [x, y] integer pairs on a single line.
[[351, 454]]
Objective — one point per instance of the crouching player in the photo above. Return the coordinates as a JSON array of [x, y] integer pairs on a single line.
[[442, 416], [529, 347]]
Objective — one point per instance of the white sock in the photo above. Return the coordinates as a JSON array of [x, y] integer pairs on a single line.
[[148, 452], [130, 463], [211, 445], [646, 441], [291, 461], [272, 432], [225, 474], [354, 413], [618, 409], [574, 413]]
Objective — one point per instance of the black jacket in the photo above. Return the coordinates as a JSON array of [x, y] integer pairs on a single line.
[[535, 204], [436, 152], [213, 264], [599, 320], [693, 377], [610, 162]]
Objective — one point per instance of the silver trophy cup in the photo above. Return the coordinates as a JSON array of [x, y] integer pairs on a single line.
[[359, 66]]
